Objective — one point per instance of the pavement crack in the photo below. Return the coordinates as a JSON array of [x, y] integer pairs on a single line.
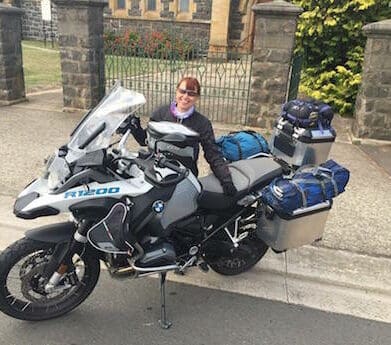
[[285, 277]]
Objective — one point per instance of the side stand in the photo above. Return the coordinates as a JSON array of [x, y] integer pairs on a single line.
[[164, 323]]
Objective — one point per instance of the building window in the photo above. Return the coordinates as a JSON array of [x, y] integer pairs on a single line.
[[118, 8], [151, 5], [184, 6], [121, 5]]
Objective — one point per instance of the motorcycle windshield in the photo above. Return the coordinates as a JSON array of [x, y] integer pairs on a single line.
[[94, 132]]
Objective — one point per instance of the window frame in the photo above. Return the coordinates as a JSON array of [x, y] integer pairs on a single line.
[[118, 12], [120, 8], [184, 16], [179, 10], [150, 14], [147, 6]]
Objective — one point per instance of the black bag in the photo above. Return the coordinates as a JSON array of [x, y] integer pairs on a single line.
[[108, 234], [307, 114]]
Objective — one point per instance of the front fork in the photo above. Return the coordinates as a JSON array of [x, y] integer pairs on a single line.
[[61, 259]]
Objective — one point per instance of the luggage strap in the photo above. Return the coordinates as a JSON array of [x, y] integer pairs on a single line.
[[329, 175], [303, 197], [286, 168], [320, 172], [321, 183], [237, 143]]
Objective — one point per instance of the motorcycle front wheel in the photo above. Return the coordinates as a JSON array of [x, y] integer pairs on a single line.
[[22, 283]]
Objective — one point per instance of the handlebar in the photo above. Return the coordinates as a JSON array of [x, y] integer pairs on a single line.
[[161, 162]]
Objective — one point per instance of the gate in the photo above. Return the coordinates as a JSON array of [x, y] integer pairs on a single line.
[[294, 76], [153, 63]]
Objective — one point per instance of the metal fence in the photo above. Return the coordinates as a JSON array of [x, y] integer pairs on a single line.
[[294, 78], [153, 64]]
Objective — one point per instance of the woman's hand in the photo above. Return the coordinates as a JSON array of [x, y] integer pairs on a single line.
[[229, 188]]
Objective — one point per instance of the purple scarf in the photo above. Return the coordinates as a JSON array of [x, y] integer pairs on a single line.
[[177, 114]]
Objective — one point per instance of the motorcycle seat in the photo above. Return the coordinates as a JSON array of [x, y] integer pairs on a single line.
[[246, 174]]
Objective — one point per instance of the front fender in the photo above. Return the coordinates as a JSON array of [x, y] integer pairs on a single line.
[[53, 233]]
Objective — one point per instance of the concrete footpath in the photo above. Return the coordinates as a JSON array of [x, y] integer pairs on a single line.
[[348, 272]]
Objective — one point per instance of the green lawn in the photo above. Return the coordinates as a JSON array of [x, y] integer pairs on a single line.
[[41, 44], [41, 66], [42, 69]]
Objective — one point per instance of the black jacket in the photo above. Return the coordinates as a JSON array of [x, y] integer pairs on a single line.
[[201, 124]]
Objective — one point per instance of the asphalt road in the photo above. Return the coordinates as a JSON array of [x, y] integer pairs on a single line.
[[126, 312]]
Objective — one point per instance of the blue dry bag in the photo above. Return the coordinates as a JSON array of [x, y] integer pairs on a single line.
[[241, 145], [307, 187]]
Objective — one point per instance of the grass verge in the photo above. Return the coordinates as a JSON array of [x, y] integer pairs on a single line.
[[42, 71], [41, 66]]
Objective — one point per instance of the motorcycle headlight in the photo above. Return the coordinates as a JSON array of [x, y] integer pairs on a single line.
[[47, 163], [54, 180], [58, 172]]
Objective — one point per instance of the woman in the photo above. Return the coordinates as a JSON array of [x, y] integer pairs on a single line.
[[183, 111]]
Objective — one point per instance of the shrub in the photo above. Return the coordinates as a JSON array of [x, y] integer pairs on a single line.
[[161, 45], [330, 36]]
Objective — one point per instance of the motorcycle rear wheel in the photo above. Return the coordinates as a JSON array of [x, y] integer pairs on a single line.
[[22, 293], [240, 259]]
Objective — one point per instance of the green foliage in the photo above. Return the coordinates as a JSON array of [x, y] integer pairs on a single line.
[[330, 36]]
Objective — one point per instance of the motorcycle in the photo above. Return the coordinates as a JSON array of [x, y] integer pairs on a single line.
[[139, 213]]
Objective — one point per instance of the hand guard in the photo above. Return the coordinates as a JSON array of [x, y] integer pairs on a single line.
[[132, 123], [135, 123]]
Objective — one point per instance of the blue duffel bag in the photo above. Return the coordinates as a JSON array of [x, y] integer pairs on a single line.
[[242, 144], [288, 194], [332, 177], [307, 113], [338, 173], [307, 187]]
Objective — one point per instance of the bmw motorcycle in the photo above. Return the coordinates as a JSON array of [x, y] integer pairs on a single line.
[[139, 213]]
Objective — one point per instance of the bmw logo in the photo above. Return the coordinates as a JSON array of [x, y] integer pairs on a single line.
[[158, 206]]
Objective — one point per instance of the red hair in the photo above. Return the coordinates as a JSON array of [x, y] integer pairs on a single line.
[[191, 84]]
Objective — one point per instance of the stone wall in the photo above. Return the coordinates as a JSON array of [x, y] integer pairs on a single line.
[[166, 13], [32, 25], [33, 28], [373, 104], [274, 38], [81, 50], [12, 88], [204, 9], [32, 20]]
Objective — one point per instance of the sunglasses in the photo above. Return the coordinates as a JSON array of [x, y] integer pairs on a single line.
[[190, 93]]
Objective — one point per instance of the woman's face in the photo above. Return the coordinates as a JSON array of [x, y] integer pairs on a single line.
[[184, 98]]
